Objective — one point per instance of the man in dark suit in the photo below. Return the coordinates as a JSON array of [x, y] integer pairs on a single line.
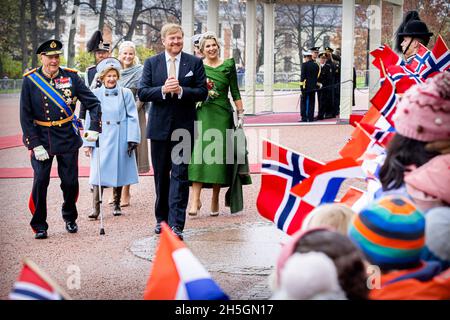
[[308, 83], [173, 81], [326, 85]]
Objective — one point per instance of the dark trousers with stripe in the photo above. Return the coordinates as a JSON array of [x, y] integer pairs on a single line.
[[307, 106], [68, 173], [171, 183]]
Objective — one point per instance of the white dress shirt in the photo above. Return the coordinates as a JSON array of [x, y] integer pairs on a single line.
[[177, 70]]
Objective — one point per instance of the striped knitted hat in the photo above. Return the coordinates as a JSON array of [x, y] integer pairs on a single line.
[[390, 232]]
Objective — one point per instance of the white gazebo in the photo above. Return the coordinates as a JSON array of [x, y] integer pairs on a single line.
[[347, 45]]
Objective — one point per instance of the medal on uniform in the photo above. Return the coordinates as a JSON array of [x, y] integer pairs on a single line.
[[63, 83]]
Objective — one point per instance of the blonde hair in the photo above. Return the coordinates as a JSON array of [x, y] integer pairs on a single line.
[[207, 36], [170, 28], [106, 70], [129, 44], [337, 216]]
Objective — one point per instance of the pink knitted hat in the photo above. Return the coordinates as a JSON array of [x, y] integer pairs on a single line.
[[424, 111], [433, 178]]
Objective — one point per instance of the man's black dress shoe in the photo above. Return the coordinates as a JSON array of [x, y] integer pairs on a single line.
[[178, 232], [71, 227], [41, 234], [158, 228]]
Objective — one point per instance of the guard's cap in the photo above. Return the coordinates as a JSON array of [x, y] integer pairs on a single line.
[[50, 47]]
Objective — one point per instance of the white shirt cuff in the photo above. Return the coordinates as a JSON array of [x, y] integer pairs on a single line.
[[181, 93], [163, 94]]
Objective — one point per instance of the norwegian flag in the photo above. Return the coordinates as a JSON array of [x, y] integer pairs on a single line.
[[381, 137], [417, 63], [34, 284], [376, 119], [385, 57], [323, 185], [403, 78], [360, 144], [281, 170], [437, 61], [385, 100]]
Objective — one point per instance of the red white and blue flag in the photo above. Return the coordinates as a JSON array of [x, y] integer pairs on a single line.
[[385, 57], [385, 100], [281, 170], [417, 63], [323, 185], [381, 137], [34, 284], [355, 198], [178, 275], [437, 61]]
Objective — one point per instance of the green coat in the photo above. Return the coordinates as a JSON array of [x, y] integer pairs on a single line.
[[240, 175]]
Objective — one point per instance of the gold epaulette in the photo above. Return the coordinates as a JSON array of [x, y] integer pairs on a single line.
[[29, 72], [70, 69]]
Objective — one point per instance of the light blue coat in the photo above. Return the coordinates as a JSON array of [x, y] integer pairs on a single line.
[[120, 125]]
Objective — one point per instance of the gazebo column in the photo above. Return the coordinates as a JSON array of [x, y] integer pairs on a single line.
[[213, 16], [250, 57], [187, 23], [348, 18], [375, 42], [269, 39]]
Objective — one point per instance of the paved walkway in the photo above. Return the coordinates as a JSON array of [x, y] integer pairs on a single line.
[[239, 250]]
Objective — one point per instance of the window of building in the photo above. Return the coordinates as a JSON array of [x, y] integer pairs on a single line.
[[237, 55], [82, 30], [237, 31], [287, 64], [220, 31], [119, 4], [288, 41], [93, 3], [326, 41], [198, 28]]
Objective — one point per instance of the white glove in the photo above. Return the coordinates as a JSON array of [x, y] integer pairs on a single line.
[[40, 153], [91, 136], [240, 120]]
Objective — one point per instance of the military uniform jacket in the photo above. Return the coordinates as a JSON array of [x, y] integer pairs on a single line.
[[310, 72], [326, 76], [35, 105], [90, 75]]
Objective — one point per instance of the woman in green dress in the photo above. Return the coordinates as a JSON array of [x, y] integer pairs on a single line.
[[208, 165]]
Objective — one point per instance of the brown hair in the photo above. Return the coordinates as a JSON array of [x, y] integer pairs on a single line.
[[170, 28], [345, 255]]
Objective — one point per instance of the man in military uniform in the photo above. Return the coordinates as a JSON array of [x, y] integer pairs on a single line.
[[410, 34], [308, 83], [50, 128], [101, 51], [326, 87], [335, 61]]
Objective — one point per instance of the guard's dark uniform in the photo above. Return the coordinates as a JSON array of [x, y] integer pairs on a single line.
[[337, 85], [310, 73], [90, 74], [59, 140], [325, 93]]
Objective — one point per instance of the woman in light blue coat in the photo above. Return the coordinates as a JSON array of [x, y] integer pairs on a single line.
[[119, 138]]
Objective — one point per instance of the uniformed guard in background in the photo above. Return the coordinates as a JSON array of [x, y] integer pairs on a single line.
[[308, 83], [335, 70], [51, 129], [326, 86], [410, 34], [101, 51]]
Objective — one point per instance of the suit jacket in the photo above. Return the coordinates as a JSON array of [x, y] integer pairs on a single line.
[[171, 113], [310, 72]]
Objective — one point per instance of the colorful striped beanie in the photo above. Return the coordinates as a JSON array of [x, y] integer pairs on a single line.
[[390, 232]]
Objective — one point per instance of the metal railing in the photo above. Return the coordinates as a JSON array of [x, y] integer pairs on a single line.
[[10, 85]]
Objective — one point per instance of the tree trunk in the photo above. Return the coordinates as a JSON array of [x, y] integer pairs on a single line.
[[34, 31], [101, 20], [133, 24], [73, 30], [58, 10], [23, 34]]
